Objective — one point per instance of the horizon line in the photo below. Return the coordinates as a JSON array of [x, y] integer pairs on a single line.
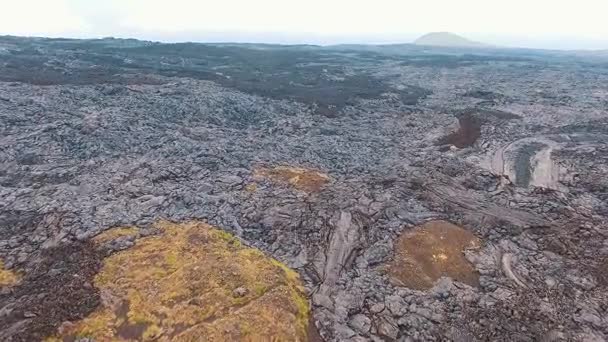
[[299, 39]]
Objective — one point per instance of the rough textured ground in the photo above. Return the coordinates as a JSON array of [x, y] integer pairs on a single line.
[[321, 158], [192, 282]]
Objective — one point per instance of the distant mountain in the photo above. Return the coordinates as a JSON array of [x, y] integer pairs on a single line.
[[447, 39]]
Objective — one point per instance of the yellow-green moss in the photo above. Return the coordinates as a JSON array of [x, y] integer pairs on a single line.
[[231, 239], [180, 285], [297, 295], [303, 310], [8, 277], [152, 332]]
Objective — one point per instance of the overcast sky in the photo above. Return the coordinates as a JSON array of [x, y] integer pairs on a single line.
[[527, 23]]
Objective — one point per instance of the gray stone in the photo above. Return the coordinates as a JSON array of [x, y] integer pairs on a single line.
[[231, 180], [584, 282], [396, 305], [376, 308], [322, 300], [377, 253], [388, 329], [589, 317], [424, 312], [443, 287], [360, 323], [344, 332]]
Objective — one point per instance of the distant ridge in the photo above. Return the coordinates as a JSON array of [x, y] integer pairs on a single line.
[[447, 39]]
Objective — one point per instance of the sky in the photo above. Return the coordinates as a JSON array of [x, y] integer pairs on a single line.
[[559, 24]]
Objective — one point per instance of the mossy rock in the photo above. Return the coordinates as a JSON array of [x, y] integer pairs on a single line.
[[194, 283]]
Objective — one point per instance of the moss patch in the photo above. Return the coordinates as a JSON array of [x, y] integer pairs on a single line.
[[300, 178], [8, 277], [182, 285], [432, 251]]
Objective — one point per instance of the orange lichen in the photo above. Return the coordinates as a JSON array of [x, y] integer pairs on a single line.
[[194, 283], [432, 251], [300, 178], [8, 277]]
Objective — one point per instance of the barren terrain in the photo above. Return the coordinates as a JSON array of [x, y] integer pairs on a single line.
[[344, 193]]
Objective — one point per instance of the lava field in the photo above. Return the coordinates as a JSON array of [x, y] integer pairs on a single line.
[[222, 192]]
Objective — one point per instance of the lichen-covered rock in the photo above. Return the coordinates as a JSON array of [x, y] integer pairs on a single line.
[[193, 282]]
